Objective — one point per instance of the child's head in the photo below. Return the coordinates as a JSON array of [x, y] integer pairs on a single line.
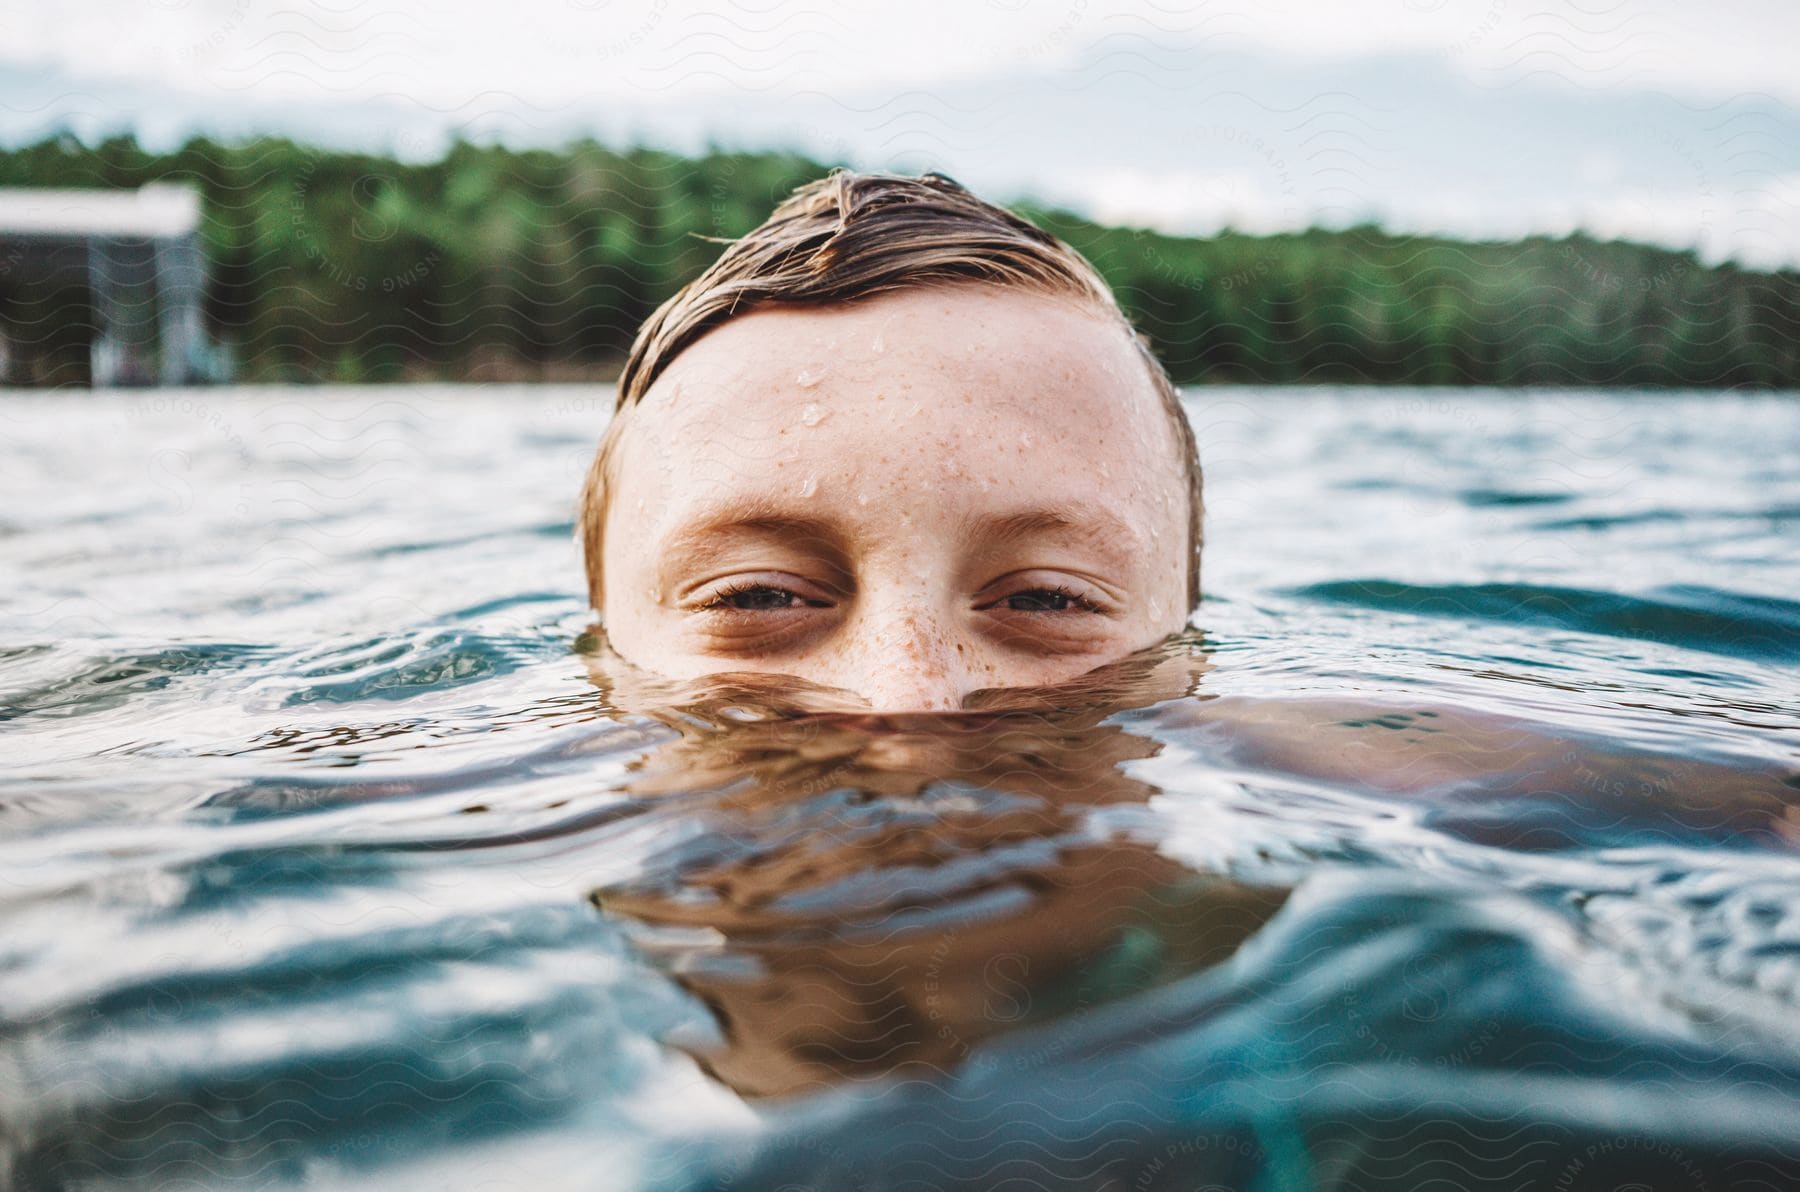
[[897, 441]]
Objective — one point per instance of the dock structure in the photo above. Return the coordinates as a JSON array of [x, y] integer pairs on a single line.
[[140, 252]]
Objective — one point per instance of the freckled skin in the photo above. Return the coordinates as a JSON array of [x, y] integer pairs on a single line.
[[930, 425]]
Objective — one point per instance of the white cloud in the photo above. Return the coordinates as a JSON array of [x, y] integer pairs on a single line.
[[471, 54], [478, 67], [1188, 202]]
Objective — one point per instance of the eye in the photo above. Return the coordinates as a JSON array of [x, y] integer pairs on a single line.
[[1049, 600], [753, 597]]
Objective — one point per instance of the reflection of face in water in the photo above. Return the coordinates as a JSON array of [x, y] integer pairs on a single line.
[[909, 497], [880, 893]]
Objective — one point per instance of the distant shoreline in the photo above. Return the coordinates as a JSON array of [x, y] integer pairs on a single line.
[[496, 266]]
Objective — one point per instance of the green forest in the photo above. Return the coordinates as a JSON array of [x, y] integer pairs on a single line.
[[495, 263]]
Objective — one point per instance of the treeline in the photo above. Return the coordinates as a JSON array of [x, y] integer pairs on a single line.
[[541, 263]]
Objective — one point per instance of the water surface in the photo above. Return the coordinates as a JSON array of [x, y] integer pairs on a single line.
[[1454, 846]]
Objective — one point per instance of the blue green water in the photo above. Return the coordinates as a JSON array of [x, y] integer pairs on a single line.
[[1456, 846]]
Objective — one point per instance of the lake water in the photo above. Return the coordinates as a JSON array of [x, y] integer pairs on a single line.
[[1456, 846]]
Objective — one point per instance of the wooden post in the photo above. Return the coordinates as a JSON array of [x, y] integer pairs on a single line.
[[178, 284], [122, 274]]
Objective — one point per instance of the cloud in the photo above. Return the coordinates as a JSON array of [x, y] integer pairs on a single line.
[[1480, 118]]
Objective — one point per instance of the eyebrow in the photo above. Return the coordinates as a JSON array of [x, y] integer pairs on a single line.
[[1081, 523], [1087, 524], [756, 516]]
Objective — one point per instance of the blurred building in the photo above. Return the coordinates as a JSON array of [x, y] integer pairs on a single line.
[[139, 252]]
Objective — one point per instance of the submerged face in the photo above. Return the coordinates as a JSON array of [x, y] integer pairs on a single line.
[[910, 498]]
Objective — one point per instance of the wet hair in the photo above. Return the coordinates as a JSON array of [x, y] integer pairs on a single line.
[[850, 235]]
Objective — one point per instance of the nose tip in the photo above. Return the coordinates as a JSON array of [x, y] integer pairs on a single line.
[[918, 674], [905, 693]]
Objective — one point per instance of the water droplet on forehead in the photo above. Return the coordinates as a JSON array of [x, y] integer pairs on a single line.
[[813, 414], [810, 486], [809, 377]]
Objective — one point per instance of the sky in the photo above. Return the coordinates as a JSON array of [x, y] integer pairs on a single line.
[[1673, 121]]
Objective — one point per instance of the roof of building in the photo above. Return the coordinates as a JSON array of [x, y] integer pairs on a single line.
[[154, 211]]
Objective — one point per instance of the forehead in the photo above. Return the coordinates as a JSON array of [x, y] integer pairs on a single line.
[[937, 354], [968, 388]]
